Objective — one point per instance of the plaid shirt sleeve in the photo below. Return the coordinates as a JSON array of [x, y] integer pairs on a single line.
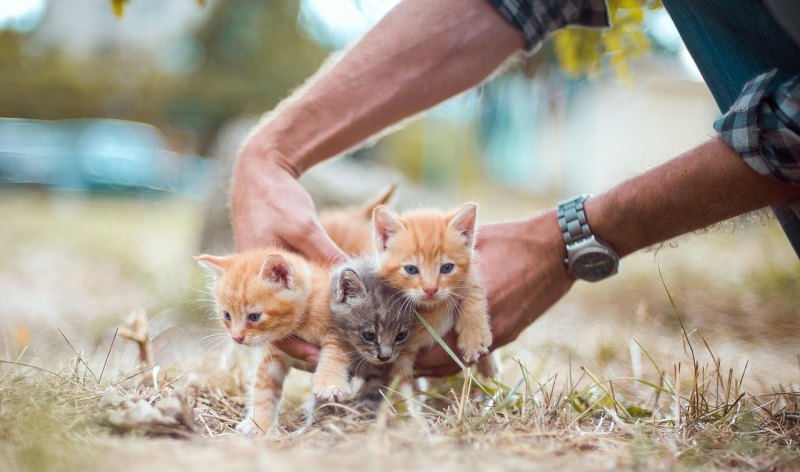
[[763, 126], [538, 18]]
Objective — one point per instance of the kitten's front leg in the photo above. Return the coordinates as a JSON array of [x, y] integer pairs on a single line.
[[372, 394], [401, 372], [331, 380], [265, 396], [401, 375], [472, 324]]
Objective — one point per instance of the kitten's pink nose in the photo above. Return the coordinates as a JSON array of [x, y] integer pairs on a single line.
[[431, 291], [239, 339]]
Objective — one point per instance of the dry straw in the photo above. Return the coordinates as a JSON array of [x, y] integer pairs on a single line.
[[671, 416]]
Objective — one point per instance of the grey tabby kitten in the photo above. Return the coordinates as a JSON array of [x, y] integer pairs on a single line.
[[377, 321]]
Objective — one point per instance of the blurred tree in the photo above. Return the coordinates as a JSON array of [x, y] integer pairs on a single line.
[[583, 51], [254, 55], [249, 51], [118, 6], [250, 54]]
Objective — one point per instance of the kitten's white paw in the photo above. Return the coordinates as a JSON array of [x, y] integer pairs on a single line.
[[472, 357], [474, 344], [248, 427], [332, 393]]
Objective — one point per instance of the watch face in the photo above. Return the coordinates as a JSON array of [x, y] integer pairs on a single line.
[[594, 266]]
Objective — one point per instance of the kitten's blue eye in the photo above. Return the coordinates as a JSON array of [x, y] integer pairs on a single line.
[[254, 317], [226, 315], [368, 336], [401, 336], [447, 268], [411, 269]]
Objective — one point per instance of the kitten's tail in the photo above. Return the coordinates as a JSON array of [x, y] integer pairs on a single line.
[[382, 199]]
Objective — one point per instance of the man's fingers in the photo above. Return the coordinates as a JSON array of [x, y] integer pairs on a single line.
[[299, 349], [247, 240], [436, 362], [439, 371], [318, 246]]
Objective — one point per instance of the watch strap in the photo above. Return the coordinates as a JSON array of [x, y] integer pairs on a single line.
[[572, 219]]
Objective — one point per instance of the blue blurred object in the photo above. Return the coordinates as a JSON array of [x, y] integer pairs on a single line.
[[21, 15], [97, 154]]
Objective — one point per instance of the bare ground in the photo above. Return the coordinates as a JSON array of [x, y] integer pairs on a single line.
[[72, 269]]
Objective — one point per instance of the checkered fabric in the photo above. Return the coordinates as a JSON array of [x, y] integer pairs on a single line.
[[763, 126], [538, 18]]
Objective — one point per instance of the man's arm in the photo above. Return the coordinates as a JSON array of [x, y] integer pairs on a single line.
[[523, 262], [747, 167], [706, 185], [421, 53]]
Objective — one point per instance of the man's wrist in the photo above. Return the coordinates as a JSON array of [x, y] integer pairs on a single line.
[[548, 234], [603, 213], [260, 151]]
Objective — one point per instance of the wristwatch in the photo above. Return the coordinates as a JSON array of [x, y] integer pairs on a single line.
[[588, 258]]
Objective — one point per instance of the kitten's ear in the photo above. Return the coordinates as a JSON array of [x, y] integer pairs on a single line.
[[464, 221], [385, 224], [277, 271], [214, 264], [349, 286]]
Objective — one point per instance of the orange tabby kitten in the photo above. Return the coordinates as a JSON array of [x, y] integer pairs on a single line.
[[263, 296], [350, 227], [430, 255]]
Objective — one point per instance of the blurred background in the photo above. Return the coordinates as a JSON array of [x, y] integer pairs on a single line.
[[120, 122]]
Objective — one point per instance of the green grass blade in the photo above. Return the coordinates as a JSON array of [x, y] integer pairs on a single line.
[[440, 341], [658, 369], [677, 315], [600, 384], [508, 400]]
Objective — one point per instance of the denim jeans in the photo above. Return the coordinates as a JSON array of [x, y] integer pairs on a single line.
[[732, 41]]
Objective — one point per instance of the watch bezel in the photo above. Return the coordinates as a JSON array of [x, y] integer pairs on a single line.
[[590, 245]]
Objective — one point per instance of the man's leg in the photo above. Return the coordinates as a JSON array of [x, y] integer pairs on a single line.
[[733, 41]]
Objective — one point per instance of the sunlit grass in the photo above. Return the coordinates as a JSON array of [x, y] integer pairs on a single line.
[[695, 368], [691, 415]]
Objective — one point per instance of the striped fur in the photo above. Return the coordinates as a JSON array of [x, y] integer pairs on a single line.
[[428, 240], [290, 296]]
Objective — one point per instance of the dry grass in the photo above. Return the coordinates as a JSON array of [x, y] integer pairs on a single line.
[[695, 370], [682, 418]]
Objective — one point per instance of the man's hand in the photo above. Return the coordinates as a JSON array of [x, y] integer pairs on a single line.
[[270, 208], [522, 265], [299, 349]]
